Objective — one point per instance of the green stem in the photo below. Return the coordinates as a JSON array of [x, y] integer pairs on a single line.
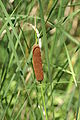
[[43, 101]]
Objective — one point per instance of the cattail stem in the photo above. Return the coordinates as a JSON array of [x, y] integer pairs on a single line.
[[43, 99]]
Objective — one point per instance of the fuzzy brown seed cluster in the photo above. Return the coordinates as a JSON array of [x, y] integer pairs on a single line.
[[37, 63]]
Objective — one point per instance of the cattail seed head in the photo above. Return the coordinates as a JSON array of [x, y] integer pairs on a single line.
[[37, 63]]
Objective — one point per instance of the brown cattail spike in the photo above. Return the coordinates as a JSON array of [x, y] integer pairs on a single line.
[[37, 63]]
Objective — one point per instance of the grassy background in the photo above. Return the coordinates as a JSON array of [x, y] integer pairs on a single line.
[[58, 96]]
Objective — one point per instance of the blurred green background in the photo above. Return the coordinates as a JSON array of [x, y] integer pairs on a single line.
[[22, 97]]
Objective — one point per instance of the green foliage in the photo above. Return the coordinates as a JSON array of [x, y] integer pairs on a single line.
[[57, 97]]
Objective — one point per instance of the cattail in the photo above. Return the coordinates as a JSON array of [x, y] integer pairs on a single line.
[[37, 63]]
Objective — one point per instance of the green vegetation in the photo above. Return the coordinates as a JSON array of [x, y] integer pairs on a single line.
[[57, 97]]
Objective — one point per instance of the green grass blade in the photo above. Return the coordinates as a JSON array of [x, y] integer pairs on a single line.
[[70, 65], [13, 28], [54, 5]]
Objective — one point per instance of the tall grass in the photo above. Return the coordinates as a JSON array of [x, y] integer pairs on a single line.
[[21, 95]]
